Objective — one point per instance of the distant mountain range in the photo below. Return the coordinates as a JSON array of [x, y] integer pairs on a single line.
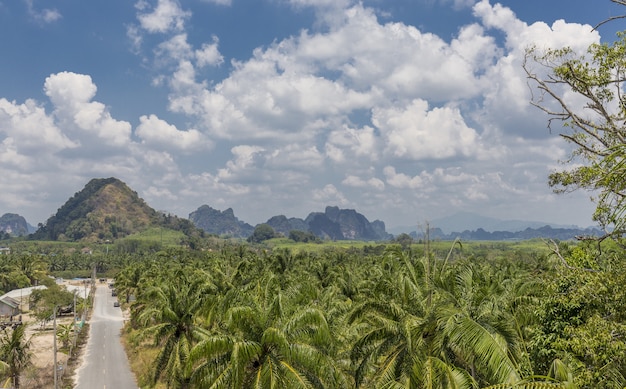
[[109, 209], [471, 226], [332, 224]]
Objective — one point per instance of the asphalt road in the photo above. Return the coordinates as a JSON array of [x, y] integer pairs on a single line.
[[105, 365]]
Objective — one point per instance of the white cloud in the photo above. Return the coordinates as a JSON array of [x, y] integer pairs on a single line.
[[355, 142], [415, 132], [329, 194], [45, 15], [357, 182], [71, 95], [176, 48], [295, 156], [209, 54], [167, 16], [29, 130], [401, 180], [153, 130], [382, 117], [245, 159]]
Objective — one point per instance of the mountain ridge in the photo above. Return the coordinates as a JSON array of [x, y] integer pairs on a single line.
[[107, 208], [469, 221]]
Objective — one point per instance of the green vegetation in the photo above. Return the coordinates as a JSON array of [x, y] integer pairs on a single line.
[[276, 312], [479, 315], [353, 314], [596, 132], [15, 354]]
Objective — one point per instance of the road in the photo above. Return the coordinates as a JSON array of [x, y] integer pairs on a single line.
[[105, 364]]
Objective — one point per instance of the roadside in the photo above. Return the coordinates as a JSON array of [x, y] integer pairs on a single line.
[[41, 373]]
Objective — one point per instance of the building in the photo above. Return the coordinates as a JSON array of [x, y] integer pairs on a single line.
[[9, 306]]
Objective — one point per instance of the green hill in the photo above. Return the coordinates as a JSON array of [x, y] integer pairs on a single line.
[[106, 209]]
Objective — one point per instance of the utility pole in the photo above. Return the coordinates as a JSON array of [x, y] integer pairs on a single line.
[[54, 345], [74, 324]]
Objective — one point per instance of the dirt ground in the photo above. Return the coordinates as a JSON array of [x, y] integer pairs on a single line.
[[42, 342], [41, 374]]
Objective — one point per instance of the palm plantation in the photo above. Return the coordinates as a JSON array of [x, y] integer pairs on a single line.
[[400, 319], [171, 322], [265, 342]]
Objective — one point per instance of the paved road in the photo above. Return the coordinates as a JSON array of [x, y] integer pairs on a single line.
[[105, 365]]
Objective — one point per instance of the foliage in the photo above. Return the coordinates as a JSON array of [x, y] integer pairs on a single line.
[[65, 333], [355, 314], [583, 318], [303, 236], [106, 210], [15, 352], [43, 302], [595, 128], [261, 233]]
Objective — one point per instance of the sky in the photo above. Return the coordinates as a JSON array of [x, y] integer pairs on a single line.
[[404, 110]]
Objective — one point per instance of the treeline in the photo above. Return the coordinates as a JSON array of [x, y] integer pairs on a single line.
[[411, 318]]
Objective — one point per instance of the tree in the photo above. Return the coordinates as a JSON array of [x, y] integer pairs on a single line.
[[15, 352], [420, 330], [64, 333], [266, 342], [127, 281], [404, 240], [303, 236], [170, 315], [43, 302], [261, 233], [596, 128]]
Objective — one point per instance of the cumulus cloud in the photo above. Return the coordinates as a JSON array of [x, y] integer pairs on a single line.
[[71, 95], [166, 16], [329, 194], [350, 142], [28, 129], [209, 54], [365, 92], [358, 182], [153, 130], [383, 117], [416, 132]]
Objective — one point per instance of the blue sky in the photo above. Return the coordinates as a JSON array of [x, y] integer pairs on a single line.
[[405, 110]]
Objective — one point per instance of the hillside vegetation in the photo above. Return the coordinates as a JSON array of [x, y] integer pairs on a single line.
[[106, 209]]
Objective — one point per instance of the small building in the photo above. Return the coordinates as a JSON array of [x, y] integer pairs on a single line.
[[5, 250], [9, 306]]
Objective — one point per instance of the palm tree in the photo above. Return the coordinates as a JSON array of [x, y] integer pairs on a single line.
[[64, 333], [31, 266], [127, 281], [265, 343], [169, 314], [417, 333], [15, 352]]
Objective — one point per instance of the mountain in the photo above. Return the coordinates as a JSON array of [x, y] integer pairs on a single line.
[[14, 225], [283, 225], [546, 232], [345, 224], [468, 221], [217, 222], [334, 224], [106, 208]]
